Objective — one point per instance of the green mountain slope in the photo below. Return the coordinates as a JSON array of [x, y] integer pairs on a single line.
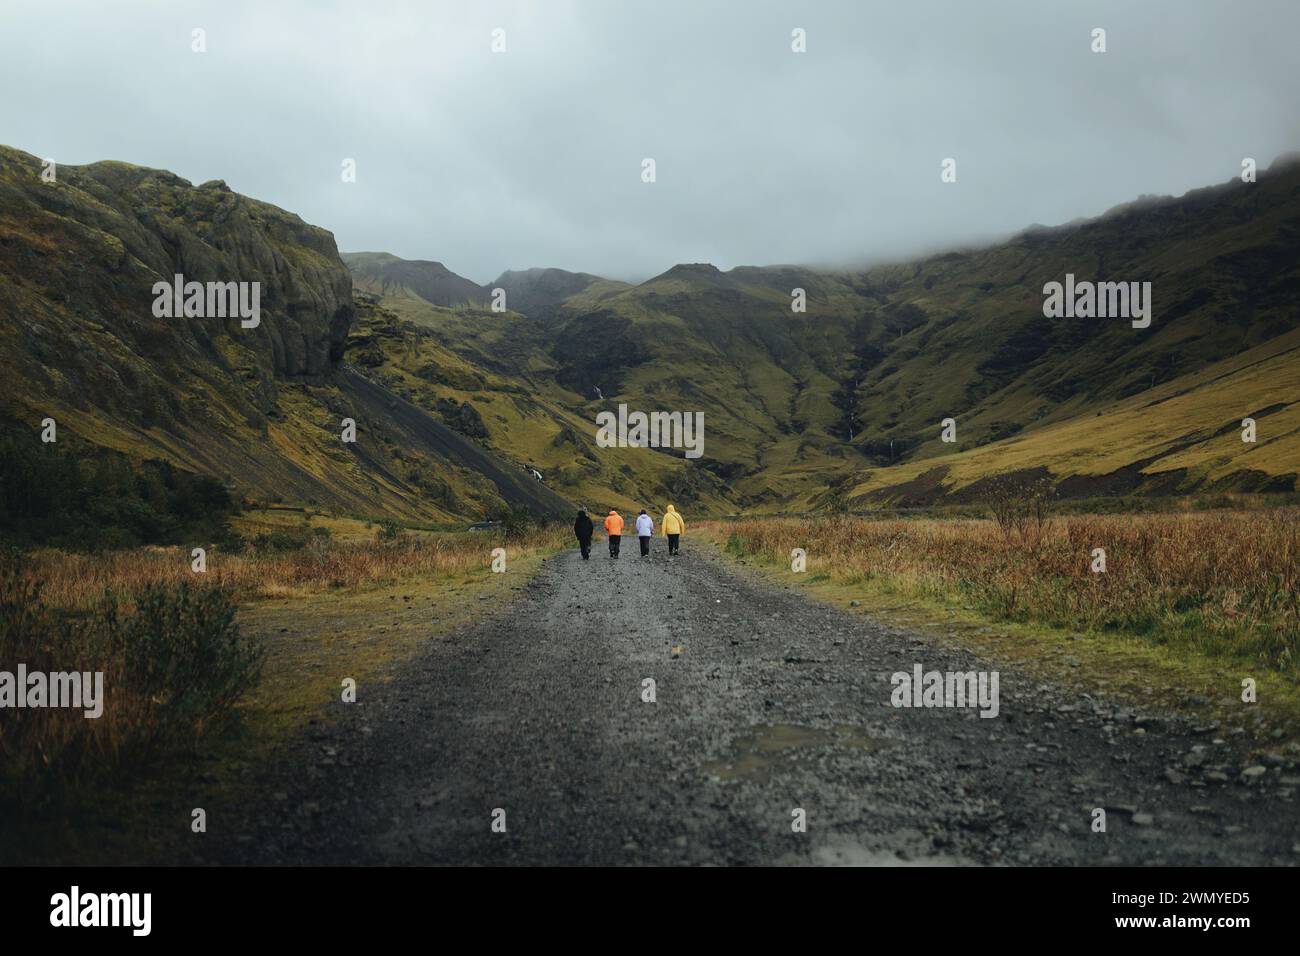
[[541, 293], [797, 402], [432, 281], [260, 408], [492, 377], [840, 404], [1181, 436]]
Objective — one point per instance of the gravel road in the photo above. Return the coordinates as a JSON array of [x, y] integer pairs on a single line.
[[765, 702]]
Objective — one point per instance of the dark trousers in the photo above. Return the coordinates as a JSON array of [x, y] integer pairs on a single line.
[[614, 540], [673, 539], [585, 546], [645, 546]]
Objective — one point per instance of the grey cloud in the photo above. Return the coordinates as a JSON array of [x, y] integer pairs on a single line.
[[489, 162]]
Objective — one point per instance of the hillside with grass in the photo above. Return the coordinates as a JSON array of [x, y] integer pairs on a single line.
[[459, 407], [1177, 438], [386, 274], [489, 377], [261, 409], [842, 404], [541, 293]]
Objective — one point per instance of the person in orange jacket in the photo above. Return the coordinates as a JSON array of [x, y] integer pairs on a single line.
[[614, 531]]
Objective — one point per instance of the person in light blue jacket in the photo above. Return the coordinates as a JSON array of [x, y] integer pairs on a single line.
[[645, 530]]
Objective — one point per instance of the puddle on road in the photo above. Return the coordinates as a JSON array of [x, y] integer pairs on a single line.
[[845, 852], [779, 747]]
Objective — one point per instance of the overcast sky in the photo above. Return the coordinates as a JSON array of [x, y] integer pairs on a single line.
[[533, 157]]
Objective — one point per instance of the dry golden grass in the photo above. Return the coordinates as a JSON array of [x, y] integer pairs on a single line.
[[77, 581], [1222, 583], [160, 674], [309, 615]]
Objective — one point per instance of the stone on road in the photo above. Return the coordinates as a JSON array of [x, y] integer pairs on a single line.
[[765, 704]]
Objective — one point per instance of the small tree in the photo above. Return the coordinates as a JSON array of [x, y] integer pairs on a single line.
[[515, 522], [1021, 508]]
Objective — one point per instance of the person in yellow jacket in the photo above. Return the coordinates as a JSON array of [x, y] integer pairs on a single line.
[[674, 527], [614, 531]]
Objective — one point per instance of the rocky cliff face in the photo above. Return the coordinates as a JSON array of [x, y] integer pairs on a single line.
[[79, 258], [258, 405]]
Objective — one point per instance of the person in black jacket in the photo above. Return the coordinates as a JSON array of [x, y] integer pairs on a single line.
[[582, 528]]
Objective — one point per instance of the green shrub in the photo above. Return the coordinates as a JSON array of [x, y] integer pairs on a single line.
[[286, 539], [88, 499], [180, 651], [736, 545], [173, 662], [515, 522]]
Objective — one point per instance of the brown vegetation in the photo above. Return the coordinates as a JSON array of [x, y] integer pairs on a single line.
[[1223, 583]]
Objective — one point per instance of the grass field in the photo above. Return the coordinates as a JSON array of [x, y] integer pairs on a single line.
[[349, 558], [1189, 604]]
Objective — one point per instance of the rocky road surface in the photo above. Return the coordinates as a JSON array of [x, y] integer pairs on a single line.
[[765, 703]]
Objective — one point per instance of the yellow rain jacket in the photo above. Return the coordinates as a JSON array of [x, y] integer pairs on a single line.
[[673, 523]]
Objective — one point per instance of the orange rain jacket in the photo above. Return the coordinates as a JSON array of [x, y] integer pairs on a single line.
[[614, 523]]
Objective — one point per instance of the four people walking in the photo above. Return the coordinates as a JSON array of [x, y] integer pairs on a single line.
[[673, 527]]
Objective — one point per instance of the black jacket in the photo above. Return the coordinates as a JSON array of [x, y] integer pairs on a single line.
[[582, 527]]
